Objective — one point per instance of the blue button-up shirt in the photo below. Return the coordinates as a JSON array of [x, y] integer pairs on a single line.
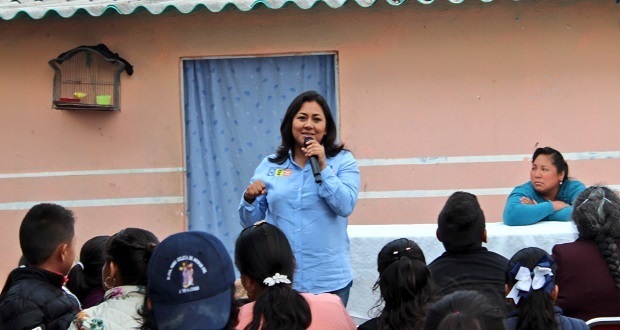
[[313, 217]]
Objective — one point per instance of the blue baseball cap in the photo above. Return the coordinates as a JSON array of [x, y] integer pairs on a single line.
[[191, 282]]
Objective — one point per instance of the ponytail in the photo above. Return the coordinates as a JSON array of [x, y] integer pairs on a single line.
[[596, 214], [280, 307], [263, 254], [536, 312]]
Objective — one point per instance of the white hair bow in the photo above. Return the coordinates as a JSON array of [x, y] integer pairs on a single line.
[[276, 279], [525, 281]]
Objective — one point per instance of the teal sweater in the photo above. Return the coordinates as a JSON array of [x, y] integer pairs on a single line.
[[517, 214]]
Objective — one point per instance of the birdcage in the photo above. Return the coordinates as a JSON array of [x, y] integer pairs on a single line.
[[88, 78]]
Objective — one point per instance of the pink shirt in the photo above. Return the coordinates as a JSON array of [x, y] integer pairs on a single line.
[[327, 310]]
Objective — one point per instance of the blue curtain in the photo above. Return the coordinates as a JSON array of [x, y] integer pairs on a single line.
[[233, 110]]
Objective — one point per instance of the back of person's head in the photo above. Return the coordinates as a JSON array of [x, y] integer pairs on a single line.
[[191, 284], [531, 278], [130, 250], [44, 228], [405, 285], [461, 222], [556, 159], [86, 274], [464, 310], [596, 214], [264, 258]]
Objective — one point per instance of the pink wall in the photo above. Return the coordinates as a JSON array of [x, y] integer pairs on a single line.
[[415, 81]]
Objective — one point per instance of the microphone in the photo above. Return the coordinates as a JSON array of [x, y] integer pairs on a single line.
[[314, 163]]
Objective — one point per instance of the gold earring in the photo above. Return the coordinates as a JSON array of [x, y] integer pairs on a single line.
[[108, 286]]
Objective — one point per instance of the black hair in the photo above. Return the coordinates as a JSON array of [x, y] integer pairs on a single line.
[[461, 222], [131, 249], [286, 128], [86, 275], [44, 227], [556, 159], [596, 214], [405, 285], [23, 262], [535, 310], [261, 251], [464, 310]]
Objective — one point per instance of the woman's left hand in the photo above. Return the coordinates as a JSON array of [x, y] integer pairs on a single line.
[[314, 148]]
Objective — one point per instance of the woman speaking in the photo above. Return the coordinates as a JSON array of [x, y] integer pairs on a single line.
[[312, 211]]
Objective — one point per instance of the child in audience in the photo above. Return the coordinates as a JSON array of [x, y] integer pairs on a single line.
[[466, 310], [466, 264], [589, 268], [530, 285], [85, 277], [33, 296], [191, 284], [265, 260], [405, 285], [124, 276]]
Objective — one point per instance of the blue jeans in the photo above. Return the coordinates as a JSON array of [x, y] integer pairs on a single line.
[[344, 293]]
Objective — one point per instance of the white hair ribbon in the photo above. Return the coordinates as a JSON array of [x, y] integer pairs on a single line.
[[276, 279], [525, 281]]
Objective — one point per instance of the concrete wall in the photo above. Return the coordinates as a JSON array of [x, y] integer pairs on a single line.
[[417, 83]]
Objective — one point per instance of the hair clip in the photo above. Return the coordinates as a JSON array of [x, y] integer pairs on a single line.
[[258, 223], [406, 249], [276, 279], [80, 264]]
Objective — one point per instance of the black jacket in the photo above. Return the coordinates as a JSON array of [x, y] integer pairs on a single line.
[[35, 298]]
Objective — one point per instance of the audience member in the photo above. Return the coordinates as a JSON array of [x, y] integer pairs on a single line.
[[124, 275], [464, 310], [466, 264], [85, 277], [549, 194], [405, 285], [191, 284], [530, 284], [589, 268], [33, 297], [265, 260]]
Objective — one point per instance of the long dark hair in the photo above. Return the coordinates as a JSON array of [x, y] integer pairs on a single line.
[[536, 307], [130, 249], [286, 128], [261, 251], [556, 159], [87, 275], [597, 216], [405, 285]]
